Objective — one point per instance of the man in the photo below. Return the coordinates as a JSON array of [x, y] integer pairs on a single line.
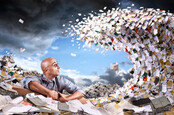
[[51, 84]]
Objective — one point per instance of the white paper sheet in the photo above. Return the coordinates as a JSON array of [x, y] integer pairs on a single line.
[[20, 109]]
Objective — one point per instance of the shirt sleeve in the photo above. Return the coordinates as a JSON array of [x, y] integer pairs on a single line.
[[27, 80], [70, 87]]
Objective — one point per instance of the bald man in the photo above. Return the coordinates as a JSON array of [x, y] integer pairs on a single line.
[[51, 84]]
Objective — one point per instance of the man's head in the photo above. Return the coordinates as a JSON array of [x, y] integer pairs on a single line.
[[50, 67]]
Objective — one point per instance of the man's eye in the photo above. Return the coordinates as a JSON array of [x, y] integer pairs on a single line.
[[55, 65]]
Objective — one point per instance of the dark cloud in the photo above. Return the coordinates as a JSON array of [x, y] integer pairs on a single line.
[[88, 82], [127, 76], [43, 19], [8, 41], [125, 63], [112, 78]]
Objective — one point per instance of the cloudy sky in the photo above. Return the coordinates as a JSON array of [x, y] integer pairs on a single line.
[[36, 29]]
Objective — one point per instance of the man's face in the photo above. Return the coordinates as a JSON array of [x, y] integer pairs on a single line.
[[53, 68]]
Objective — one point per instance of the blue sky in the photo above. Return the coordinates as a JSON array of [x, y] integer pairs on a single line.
[[86, 68], [87, 60]]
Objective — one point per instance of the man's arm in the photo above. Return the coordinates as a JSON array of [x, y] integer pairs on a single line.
[[37, 87], [76, 95], [65, 98]]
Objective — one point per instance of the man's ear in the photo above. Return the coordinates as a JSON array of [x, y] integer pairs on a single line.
[[45, 70]]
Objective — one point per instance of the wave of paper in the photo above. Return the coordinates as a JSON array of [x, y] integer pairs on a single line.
[[147, 35]]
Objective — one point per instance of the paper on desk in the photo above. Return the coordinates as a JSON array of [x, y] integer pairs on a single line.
[[127, 105], [45, 99], [91, 109], [34, 109], [20, 109], [4, 100], [171, 99], [146, 108], [110, 107], [30, 95], [75, 103], [48, 100]]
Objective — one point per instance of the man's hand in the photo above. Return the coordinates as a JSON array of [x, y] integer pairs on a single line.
[[62, 98], [53, 94]]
